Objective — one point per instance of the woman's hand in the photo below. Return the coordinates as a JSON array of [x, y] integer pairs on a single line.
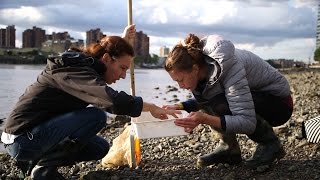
[[162, 113], [192, 121], [178, 106], [159, 112], [129, 33], [172, 107]]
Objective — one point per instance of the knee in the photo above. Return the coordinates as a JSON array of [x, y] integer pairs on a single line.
[[103, 149], [99, 116]]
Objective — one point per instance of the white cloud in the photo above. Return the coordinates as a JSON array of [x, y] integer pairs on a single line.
[[246, 46], [299, 49], [263, 26], [305, 3], [215, 12], [158, 42], [24, 13], [159, 15]]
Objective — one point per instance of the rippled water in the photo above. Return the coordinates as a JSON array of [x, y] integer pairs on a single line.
[[15, 78], [151, 84]]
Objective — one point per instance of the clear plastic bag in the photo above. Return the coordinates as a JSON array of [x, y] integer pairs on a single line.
[[125, 150]]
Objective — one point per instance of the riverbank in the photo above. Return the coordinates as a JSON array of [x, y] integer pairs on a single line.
[[175, 157]]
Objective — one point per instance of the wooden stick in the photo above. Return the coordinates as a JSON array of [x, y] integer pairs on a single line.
[[132, 87]]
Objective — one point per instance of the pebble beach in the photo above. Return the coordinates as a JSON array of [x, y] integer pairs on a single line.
[[175, 157]]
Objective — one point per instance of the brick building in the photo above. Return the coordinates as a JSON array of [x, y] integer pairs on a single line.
[[141, 46], [33, 38], [93, 35], [8, 37]]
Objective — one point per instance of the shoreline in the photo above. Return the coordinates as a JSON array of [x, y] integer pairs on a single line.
[[175, 157], [2, 150]]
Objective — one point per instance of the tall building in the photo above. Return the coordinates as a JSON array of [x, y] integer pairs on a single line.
[[318, 28], [8, 37], [33, 38], [164, 51], [141, 46], [94, 35], [2, 38], [60, 42]]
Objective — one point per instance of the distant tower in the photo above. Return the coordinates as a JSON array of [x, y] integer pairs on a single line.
[[164, 51], [94, 35], [141, 46], [33, 38], [318, 28], [8, 37]]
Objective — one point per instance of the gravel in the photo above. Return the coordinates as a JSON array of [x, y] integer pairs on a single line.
[[175, 157]]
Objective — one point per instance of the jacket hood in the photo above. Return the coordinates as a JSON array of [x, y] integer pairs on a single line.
[[214, 70], [75, 59]]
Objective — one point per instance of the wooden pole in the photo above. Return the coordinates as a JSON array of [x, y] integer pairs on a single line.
[[135, 158], [132, 87]]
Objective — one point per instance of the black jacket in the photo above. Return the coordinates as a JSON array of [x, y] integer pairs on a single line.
[[69, 82]]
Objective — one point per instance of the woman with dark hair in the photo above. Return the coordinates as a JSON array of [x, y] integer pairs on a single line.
[[237, 93], [52, 125]]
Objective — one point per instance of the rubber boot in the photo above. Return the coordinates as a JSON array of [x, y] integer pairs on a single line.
[[46, 173], [269, 147], [61, 155], [26, 167], [228, 151]]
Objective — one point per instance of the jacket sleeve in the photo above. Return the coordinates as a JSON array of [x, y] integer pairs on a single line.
[[235, 84], [85, 84]]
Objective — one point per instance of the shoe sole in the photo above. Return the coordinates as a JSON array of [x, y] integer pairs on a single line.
[[201, 163]]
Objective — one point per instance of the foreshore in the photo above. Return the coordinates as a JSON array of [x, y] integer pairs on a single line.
[[175, 157]]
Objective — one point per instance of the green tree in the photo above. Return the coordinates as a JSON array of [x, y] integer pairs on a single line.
[[154, 59], [138, 60], [317, 55]]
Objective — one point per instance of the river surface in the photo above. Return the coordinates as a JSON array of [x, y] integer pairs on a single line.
[[151, 84]]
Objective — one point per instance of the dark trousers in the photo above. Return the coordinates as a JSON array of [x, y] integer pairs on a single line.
[[80, 127], [275, 110]]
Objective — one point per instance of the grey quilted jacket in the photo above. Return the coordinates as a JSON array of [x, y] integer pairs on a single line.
[[241, 72]]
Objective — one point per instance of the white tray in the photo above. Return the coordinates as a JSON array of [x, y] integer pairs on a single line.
[[146, 126]]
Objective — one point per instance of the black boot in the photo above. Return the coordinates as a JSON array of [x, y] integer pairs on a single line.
[[46, 173], [26, 167], [61, 155], [228, 151], [269, 147]]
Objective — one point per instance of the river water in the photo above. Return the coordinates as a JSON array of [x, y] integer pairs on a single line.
[[151, 84]]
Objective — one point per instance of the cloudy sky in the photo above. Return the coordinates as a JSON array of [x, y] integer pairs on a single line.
[[269, 28]]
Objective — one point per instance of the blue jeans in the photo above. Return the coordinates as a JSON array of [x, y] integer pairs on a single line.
[[79, 127]]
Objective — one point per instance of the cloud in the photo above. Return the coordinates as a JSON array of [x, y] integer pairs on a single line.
[[250, 23], [22, 14]]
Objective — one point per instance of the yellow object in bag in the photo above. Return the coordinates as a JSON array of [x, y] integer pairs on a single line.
[[125, 150]]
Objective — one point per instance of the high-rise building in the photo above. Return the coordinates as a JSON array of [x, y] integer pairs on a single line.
[[94, 35], [318, 28], [2, 38], [8, 37], [33, 38], [141, 46], [164, 51], [60, 42]]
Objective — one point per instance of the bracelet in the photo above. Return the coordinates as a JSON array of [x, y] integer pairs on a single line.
[[180, 106]]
